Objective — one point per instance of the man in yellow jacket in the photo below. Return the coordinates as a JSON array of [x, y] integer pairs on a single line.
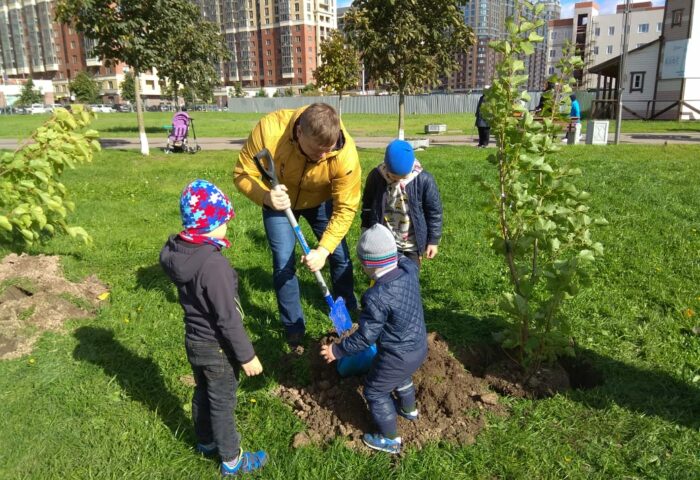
[[318, 168]]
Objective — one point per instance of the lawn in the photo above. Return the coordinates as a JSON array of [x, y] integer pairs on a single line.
[[104, 399], [239, 125]]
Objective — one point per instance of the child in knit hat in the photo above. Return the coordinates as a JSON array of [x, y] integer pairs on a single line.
[[402, 196], [216, 342], [392, 317]]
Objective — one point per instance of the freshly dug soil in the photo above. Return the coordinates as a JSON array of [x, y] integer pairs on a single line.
[[36, 297], [451, 402]]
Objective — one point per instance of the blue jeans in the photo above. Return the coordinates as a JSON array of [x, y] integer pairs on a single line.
[[282, 241], [214, 399]]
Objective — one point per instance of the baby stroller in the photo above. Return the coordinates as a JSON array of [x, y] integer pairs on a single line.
[[177, 140]]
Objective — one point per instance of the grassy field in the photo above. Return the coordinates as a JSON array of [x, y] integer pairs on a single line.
[[239, 125], [104, 399]]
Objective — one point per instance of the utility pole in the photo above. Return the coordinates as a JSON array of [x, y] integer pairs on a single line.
[[621, 73]]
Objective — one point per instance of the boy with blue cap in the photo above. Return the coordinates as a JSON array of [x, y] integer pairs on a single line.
[[216, 342], [403, 197], [392, 317]]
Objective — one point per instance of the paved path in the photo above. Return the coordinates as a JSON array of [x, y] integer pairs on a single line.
[[209, 143]]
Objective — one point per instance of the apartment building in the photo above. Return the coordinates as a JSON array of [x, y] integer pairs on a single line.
[[598, 38], [272, 42], [537, 63], [33, 45]]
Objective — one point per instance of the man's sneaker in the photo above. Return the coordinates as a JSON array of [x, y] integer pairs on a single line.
[[382, 443], [208, 450], [247, 462]]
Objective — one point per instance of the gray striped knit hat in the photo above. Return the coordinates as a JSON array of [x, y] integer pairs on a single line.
[[377, 247]]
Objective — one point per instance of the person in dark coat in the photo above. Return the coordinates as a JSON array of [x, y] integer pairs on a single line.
[[216, 342], [481, 124], [403, 197], [392, 317]]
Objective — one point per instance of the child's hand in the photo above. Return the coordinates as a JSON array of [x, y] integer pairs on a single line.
[[253, 368], [327, 353], [431, 251]]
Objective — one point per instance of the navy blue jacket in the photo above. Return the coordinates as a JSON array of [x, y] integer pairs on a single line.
[[480, 120], [424, 204], [392, 315], [207, 286]]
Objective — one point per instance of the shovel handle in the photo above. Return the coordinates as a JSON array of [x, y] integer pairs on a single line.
[[268, 173]]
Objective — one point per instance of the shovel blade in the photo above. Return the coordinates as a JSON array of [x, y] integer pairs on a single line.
[[340, 316]]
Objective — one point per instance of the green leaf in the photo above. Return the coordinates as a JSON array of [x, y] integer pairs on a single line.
[[5, 224]]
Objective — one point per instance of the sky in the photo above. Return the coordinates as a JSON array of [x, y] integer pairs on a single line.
[[567, 6]]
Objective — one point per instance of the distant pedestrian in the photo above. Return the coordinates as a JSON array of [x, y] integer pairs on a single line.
[[481, 124]]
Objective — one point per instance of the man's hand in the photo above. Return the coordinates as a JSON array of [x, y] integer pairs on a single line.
[[431, 251], [252, 368], [327, 353], [316, 259], [277, 199]]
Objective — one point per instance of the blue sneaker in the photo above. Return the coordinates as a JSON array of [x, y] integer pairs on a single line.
[[382, 443], [208, 450], [247, 462]]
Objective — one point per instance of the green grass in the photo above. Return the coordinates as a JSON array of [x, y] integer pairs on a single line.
[[239, 125], [105, 400]]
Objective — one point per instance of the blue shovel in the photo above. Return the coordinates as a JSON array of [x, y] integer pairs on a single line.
[[339, 315]]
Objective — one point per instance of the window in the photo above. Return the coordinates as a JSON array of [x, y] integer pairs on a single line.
[[677, 18], [597, 31], [643, 28], [609, 50], [75, 59], [268, 42], [110, 85], [611, 30], [151, 84], [552, 53], [659, 26], [72, 44], [551, 70], [595, 50], [554, 35], [637, 81]]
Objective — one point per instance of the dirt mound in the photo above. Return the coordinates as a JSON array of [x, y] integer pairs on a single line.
[[451, 401], [34, 296]]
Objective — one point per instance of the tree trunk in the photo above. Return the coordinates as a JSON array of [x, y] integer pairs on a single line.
[[402, 109], [340, 102], [139, 114], [177, 100]]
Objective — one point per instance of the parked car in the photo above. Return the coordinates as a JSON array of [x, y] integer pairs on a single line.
[[122, 107], [101, 108], [37, 108]]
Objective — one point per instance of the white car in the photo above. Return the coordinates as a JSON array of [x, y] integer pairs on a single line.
[[100, 108], [37, 108]]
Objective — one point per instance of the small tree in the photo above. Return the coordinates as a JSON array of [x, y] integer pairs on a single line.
[[29, 95], [261, 93], [543, 221], [340, 64], [310, 90], [129, 31], [85, 88], [408, 44], [128, 91], [193, 66], [33, 202], [236, 91]]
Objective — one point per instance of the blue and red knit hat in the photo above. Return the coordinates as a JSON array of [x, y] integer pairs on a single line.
[[204, 207], [376, 247]]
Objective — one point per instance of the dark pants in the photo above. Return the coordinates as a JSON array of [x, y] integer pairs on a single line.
[[391, 374], [484, 133], [411, 256], [214, 399], [282, 241]]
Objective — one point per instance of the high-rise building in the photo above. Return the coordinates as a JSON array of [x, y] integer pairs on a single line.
[[271, 42], [33, 45], [537, 62]]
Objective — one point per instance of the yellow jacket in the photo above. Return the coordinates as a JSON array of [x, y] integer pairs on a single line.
[[337, 176]]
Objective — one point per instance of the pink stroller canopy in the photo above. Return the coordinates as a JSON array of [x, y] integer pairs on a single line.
[[181, 122]]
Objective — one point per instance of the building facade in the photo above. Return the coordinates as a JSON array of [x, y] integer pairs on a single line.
[[537, 63], [271, 42], [598, 38], [33, 45]]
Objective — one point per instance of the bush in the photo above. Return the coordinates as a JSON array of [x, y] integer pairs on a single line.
[[33, 202]]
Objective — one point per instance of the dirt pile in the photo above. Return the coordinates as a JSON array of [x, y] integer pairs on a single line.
[[34, 297], [451, 401]]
